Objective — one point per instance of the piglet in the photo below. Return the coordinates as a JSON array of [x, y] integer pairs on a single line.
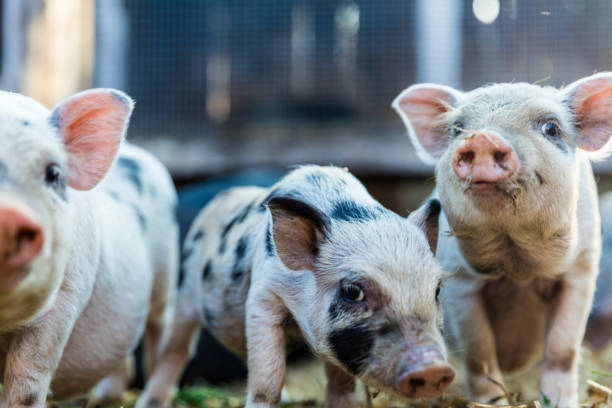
[[520, 222], [88, 248], [314, 259]]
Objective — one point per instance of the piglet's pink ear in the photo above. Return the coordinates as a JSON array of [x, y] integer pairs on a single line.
[[91, 125], [420, 107], [297, 229], [591, 100]]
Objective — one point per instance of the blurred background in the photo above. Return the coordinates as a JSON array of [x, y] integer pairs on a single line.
[[236, 91], [226, 85]]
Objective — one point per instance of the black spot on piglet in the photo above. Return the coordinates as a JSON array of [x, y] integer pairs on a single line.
[[132, 171], [352, 346], [207, 269], [269, 242], [224, 233], [351, 211], [387, 329], [236, 275], [241, 248], [228, 227]]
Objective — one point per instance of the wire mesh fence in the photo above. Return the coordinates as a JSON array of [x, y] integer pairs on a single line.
[[224, 84]]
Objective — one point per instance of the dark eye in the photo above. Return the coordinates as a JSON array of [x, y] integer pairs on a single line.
[[352, 293], [438, 290], [457, 128], [550, 129], [52, 174]]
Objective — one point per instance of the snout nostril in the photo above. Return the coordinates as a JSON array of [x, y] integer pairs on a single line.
[[443, 381], [429, 381], [27, 235], [21, 238], [417, 382], [467, 157], [499, 157]]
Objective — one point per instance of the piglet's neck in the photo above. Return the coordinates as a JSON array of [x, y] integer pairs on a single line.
[[519, 252]]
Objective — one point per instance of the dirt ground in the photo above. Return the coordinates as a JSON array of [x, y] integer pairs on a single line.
[[305, 385]]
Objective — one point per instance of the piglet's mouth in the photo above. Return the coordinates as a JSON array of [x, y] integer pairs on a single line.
[[505, 187], [483, 192], [483, 186]]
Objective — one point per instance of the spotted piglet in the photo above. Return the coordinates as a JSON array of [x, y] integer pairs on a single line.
[[520, 221], [313, 259], [86, 261]]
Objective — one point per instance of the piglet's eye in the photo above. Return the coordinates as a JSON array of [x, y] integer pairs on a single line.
[[352, 293], [457, 128], [52, 173], [438, 291], [550, 129]]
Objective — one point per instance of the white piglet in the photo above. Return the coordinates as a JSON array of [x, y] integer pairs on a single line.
[[86, 261], [520, 221]]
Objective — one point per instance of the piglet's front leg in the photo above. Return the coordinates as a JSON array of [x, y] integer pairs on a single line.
[[559, 378], [266, 352], [177, 352], [469, 315], [34, 354], [340, 388]]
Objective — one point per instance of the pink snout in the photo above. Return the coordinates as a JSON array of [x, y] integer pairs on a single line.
[[423, 372], [21, 239], [426, 382], [486, 157]]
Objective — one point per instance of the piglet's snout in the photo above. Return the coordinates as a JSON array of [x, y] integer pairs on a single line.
[[21, 238], [486, 157], [429, 382], [424, 373]]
